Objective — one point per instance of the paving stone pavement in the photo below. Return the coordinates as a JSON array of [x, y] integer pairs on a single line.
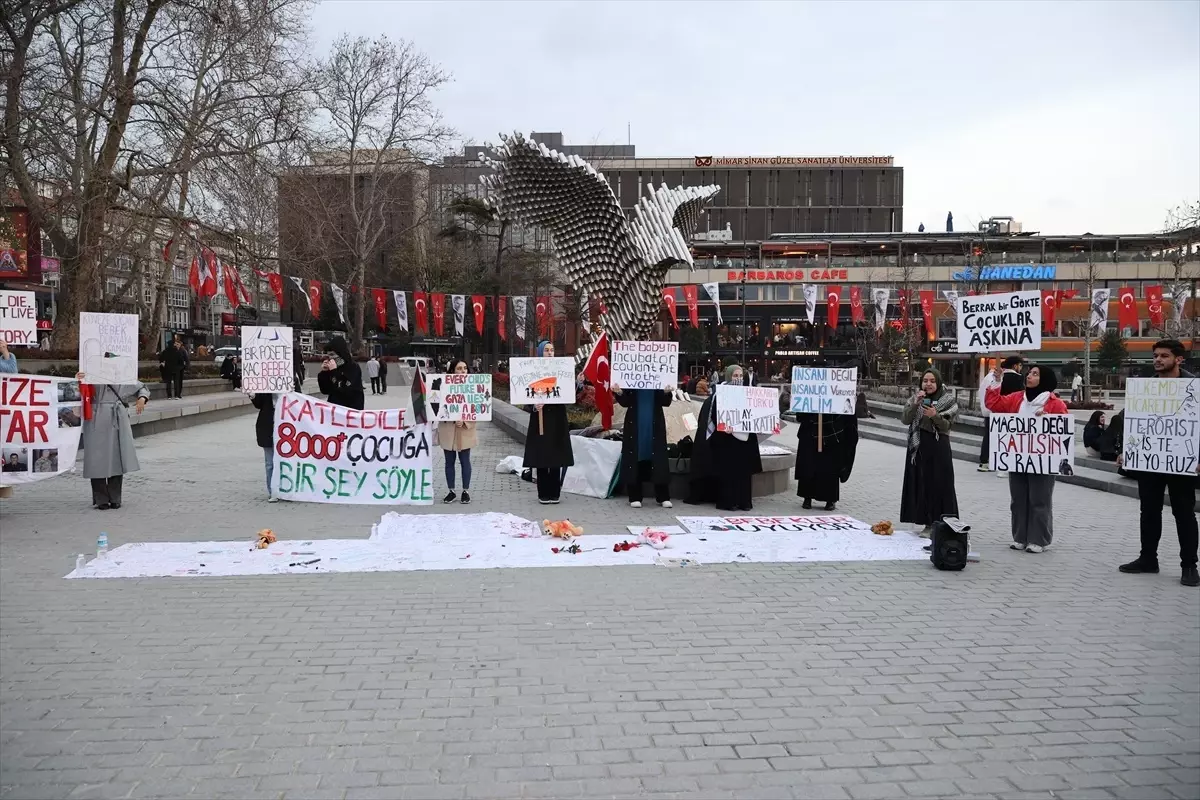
[[1024, 676]]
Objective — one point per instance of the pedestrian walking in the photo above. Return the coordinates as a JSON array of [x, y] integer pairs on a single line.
[[644, 443], [107, 438], [1010, 381], [373, 374], [1077, 388], [548, 444], [172, 362], [1031, 496], [723, 464], [383, 376], [264, 435], [340, 379], [457, 439], [928, 492], [1168, 363], [825, 450]]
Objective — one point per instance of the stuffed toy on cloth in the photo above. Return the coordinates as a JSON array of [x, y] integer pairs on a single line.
[[656, 539], [561, 529], [883, 528], [265, 539]]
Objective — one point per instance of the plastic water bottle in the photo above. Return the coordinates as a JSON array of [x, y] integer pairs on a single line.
[[102, 545], [80, 562]]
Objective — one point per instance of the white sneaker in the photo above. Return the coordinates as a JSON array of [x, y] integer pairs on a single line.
[[635, 503], [272, 499], [1016, 546], [667, 504], [1035, 548], [984, 468]]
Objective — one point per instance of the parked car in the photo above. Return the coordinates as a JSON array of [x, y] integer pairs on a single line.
[[221, 353]]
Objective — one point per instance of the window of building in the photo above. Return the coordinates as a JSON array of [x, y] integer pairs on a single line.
[[179, 274], [177, 298], [122, 264], [947, 328]]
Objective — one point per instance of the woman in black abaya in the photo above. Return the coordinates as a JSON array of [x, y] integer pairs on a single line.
[[548, 445], [819, 473], [723, 464], [928, 492]]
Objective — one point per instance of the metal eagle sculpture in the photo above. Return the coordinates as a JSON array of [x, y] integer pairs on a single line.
[[621, 262]]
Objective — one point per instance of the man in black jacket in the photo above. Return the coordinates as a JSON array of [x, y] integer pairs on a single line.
[[173, 360], [1012, 381], [1169, 355]]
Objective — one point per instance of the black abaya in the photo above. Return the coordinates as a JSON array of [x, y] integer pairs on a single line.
[[722, 465], [928, 492], [819, 475]]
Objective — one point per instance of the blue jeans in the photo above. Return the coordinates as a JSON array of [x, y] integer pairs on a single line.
[[269, 463], [464, 458]]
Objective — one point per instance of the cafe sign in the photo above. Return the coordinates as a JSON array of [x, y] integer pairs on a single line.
[[786, 275]]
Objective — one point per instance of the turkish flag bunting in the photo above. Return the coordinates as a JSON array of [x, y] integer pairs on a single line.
[[421, 306], [502, 317], [380, 298], [477, 301], [231, 288], [1049, 307], [438, 299], [545, 322], [857, 314], [1154, 305], [314, 298], [276, 282], [926, 297], [1127, 317], [691, 294], [194, 276], [905, 297], [208, 275], [833, 304], [668, 295], [599, 371]]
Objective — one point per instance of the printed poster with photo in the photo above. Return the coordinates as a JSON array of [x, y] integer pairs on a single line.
[[108, 348], [1162, 425], [1033, 445], [644, 365], [40, 421], [1004, 322], [18, 318], [267, 359], [747, 409], [549, 381], [824, 390], [461, 398]]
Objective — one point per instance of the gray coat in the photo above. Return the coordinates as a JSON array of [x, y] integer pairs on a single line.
[[107, 437]]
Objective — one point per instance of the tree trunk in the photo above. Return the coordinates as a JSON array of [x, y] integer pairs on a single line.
[[356, 328]]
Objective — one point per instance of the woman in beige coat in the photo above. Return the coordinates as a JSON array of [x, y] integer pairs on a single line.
[[457, 439]]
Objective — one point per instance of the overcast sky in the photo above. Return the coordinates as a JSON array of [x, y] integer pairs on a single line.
[[1070, 117]]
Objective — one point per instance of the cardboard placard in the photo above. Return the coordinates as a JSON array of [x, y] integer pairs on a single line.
[[1033, 445], [461, 398], [990, 323], [747, 409], [267, 359], [18, 318], [549, 381], [108, 348], [1162, 425], [824, 390], [644, 365], [40, 420]]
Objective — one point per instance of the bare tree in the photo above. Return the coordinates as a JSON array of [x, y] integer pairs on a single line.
[[1183, 222]]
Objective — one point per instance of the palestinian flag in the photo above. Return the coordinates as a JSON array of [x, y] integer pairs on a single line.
[[418, 398]]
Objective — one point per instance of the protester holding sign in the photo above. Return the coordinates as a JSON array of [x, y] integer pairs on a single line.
[[340, 379], [825, 450], [644, 443], [457, 439], [723, 464], [264, 434], [108, 450], [1031, 494], [928, 493], [1179, 403], [548, 441]]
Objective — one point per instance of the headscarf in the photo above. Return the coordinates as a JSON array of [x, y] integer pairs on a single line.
[[1047, 381], [541, 348], [944, 403], [729, 373], [337, 346]]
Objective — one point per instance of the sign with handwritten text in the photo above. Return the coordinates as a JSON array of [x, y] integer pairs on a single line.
[[267, 359], [461, 398], [747, 409], [822, 390], [549, 381], [1033, 445], [1162, 425], [108, 348], [645, 365]]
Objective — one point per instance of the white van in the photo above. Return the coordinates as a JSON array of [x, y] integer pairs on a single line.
[[414, 361]]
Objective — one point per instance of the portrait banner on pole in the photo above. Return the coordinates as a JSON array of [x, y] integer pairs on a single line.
[[1162, 425], [645, 365]]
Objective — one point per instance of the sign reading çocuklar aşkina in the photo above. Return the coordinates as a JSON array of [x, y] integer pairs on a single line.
[[989, 323], [331, 454]]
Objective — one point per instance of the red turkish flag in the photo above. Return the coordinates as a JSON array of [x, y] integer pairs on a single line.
[[668, 295], [1127, 317], [230, 287], [598, 371], [691, 294], [545, 321], [314, 298], [905, 297], [477, 302], [380, 298], [194, 276], [208, 275], [926, 297], [275, 280], [833, 304], [438, 300], [856, 308], [1049, 308], [421, 306], [502, 317], [1154, 305]]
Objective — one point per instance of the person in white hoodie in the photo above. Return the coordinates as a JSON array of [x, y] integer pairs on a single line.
[[1012, 381], [373, 374]]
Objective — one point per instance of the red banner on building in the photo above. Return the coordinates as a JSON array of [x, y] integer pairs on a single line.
[[379, 296], [1154, 305], [1127, 316], [545, 320], [502, 317], [857, 314], [691, 294], [438, 300], [833, 304], [905, 298], [926, 297], [1049, 307], [421, 306], [477, 301], [275, 280], [668, 295], [314, 298]]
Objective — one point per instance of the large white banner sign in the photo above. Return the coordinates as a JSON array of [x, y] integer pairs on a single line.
[[549, 381], [645, 365], [989, 323], [461, 398], [267, 359], [18, 318], [40, 420], [747, 409], [821, 390], [1162, 425], [834, 522], [108, 348], [1033, 445], [331, 454]]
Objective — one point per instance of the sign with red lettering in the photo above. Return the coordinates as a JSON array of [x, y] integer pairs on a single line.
[[332, 454], [818, 274], [40, 420], [267, 359], [1033, 445], [461, 397], [18, 318], [747, 409]]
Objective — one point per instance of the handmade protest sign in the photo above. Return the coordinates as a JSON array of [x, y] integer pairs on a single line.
[[40, 420], [991, 322], [108, 348], [549, 381], [835, 522], [747, 409], [267, 360], [332, 454], [1034, 445], [18, 318], [821, 390], [1162, 425], [461, 398], [645, 365]]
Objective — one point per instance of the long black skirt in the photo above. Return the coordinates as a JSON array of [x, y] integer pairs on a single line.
[[928, 492]]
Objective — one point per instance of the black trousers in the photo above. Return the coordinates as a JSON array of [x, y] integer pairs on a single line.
[[985, 447], [549, 483], [374, 385], [107, 491], [643, 474], [383, 384], [1182, 490]]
